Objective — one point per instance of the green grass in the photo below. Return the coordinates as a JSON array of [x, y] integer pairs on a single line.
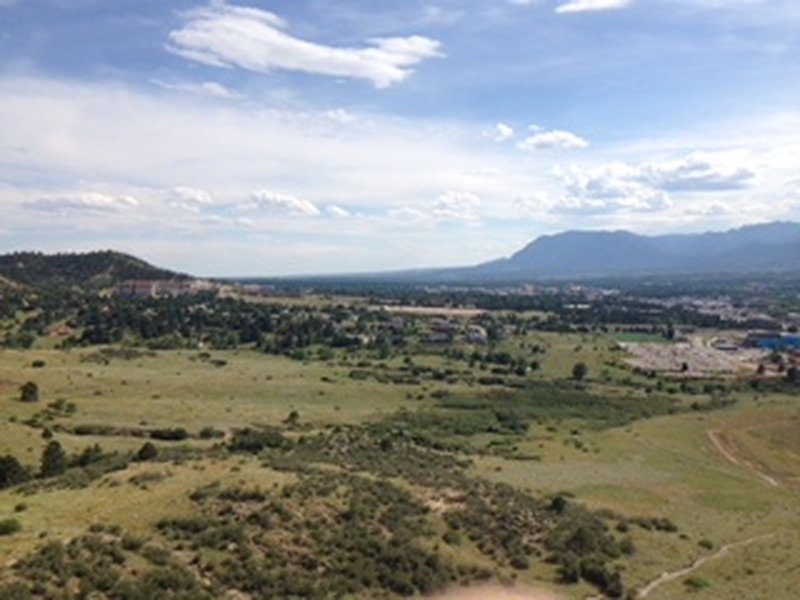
[[639, 338], [666, 467], [660, 467], [177, 389]]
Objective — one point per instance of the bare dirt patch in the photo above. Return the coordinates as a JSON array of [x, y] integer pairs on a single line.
[[686, 359], [498, 592], [434, 311]]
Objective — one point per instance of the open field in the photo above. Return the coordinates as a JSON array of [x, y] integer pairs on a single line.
[[705, 472], [669, 467]]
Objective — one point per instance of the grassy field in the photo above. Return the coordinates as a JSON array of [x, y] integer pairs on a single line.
[[640, 338], [665, 467]]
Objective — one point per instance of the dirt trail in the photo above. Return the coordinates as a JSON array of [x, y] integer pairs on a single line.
[[729, 451], [673, 575], [497, 592]]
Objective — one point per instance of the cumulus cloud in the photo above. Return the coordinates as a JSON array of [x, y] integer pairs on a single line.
[[502, 132], [612, 188], [650, 186], [557, 138], [696, 172], [191, 199], [456, 206], [232, 36], [283, 203], [450, 206], [83, 201], [576, 6]]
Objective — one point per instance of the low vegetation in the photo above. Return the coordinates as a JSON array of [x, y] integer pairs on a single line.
[[206, 447]]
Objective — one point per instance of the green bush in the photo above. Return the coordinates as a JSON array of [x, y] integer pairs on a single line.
[[10, 527], [147, 452], [11, 472], [54, 460]]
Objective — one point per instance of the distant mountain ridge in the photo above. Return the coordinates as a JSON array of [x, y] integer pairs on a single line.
[[91, 269], [755, 248]]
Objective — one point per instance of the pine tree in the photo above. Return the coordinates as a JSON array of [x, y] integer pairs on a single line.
[[54, 460], [29, 392]]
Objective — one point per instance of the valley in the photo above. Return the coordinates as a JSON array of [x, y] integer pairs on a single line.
[[394, 445]]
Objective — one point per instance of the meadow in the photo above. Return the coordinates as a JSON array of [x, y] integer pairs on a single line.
[[443, 445]]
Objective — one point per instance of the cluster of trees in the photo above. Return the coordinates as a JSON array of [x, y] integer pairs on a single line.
[[54, 461]]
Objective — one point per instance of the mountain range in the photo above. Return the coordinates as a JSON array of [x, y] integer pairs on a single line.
[[770, 247], [755, 249]]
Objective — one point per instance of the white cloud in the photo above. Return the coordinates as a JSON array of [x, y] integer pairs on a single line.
[[337, 211], [612, 188], [82, 201], [210, 89], [652, 186], [191, 199], [341, 116], [449, 207], [225, 36], [283, 203], [192, 167], [556, 138], [456, 206], [698, 172], [502, 132], [576, 6]]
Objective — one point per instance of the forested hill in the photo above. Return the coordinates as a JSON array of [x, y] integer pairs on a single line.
[[91, 269]]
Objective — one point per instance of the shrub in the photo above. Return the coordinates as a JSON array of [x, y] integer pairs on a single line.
[[10, 527], [11, 472], [580, 371], [174, 434], [29, 392], [147, 452], [210, 433], [695, 583], [254, 441]]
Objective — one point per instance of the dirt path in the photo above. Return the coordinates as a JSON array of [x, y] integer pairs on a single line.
[[673, 575], [497, 592], [728, 449]]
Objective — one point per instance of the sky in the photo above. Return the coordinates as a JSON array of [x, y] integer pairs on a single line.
[[280, 137]]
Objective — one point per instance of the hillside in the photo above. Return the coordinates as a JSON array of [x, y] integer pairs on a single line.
[[92, 269]]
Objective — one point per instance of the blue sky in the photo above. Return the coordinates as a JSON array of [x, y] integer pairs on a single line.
[[308, 136]]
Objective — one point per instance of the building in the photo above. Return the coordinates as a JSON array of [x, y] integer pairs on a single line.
[[163, 288]]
